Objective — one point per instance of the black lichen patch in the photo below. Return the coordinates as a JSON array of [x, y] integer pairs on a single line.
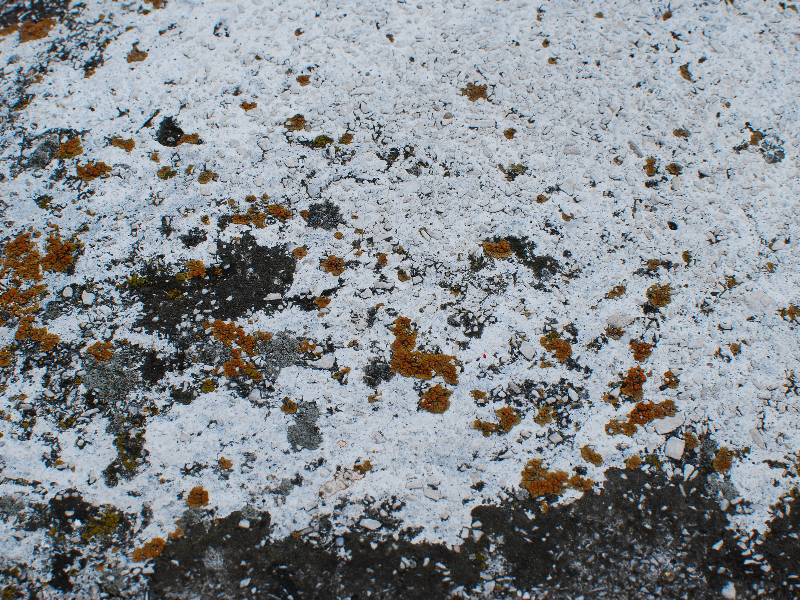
[[244, 275], [169, 132], [543, 267], [304, 433], [376, 372], [324, 216], [470, 323], [193, 237]]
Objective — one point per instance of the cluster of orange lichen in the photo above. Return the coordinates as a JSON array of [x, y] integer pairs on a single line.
[[35, 30], [322, 302], [478, 395], [194, 268], [253, 217], [723, 459], [413, 363], [633, 462], [383, 259], [151, 549], [228, 333], [26, 331], [197, 497], [295, 123], [507, 417], [552, 342], [670, 380], [127, 145], [582, 484], [245, 106], [225, 463], [101, 350], [591, 456], [436, 399], [59, 254], [501, 249], [541, 482], [333, 265], [340, 375], [616, 292], [650, 167], [363, 467], [691, 440], [545, 415], [289, 406], [5, 357], [632, 385], [92, 170], [279, 212], [641, 350], [791, 313], [299, 253], [659, 295], [642, 413], [474, 92], [70, 149]]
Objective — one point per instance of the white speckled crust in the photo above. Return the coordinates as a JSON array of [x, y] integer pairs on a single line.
[[573, 185]]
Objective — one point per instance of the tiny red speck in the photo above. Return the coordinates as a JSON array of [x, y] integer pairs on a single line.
[[484, 356]]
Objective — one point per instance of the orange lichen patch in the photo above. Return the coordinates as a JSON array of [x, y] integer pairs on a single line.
[[9, 30], [26, 331], [195, 268], [304, 214], [70, 149], [21, 257], [279, 212], [299, 253], [633, 462], [614, 333], [508, 418], [591, 456], [616, 292], [189, 138], [541, 482], [685, 73], [59, 255], [641, 350], [127, 145], [723, 460], [338, 235], [791, 313], [224, 463], [5, 357], [553, 60], [236, 366], [156, 3], [333, 265], [346, 138], [478, 395], [197, 497], [206, 177], [642, 413], [289, 406], [402, 275], [363, 467], [306, 346], [136, 55], [509, 133], [322, 302], [383, 259], [436, 400], [659, 295], [166, 172], [303, 80], [208, 386], [92, 170], [650, 167], [500, 249], [544, 416], [582, 484], [252, 217], [340, 375], [633, 382], [670, 380], [474, 92], [674, 169], [101, 350], [150, 550], [485, 427], [553, 343], [178, 533], [295, 123], [413, 363], [690, 440], [35, 31], [248, 106]]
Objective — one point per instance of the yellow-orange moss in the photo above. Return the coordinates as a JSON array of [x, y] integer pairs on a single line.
[[436, 399], [92, 170], [150, 550], [553, 343], [486, 427], [26, 331], [545, 415], [197, 497], [641, 350], [659, 295], [413, 363], [723, 459], [633, 382], [363, 467], [642, 413], [591, 456], [541, 482], [70, 149], [35, 30], [501, 249], [333, 265], [101, 350], [279, 212]]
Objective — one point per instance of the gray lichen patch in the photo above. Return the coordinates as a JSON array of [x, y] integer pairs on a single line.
[[304, 433]]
